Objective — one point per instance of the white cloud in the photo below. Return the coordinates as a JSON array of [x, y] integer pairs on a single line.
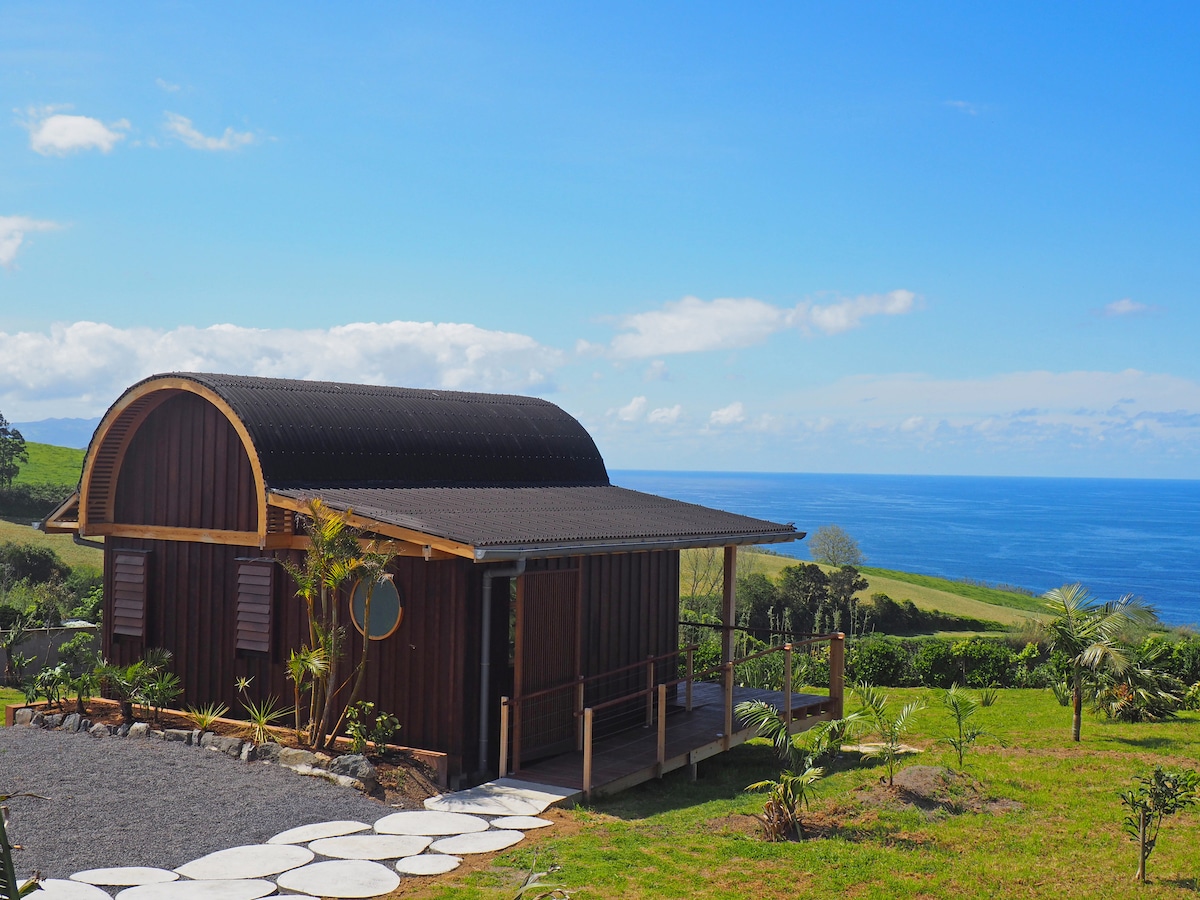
[[55, 133], [693, 325], [78, 369], [665, 415], [1124, 307], [728, 415], [632, 411], [12, 235], [166, 85], [182, 128], [964, 106]]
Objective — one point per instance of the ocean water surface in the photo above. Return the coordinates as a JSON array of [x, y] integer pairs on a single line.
[[1117, 536]]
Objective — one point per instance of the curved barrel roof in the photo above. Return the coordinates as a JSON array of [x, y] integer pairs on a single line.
[[328, 434]]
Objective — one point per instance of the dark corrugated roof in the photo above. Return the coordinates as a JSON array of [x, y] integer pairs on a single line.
[[502, 522], [317, 432]]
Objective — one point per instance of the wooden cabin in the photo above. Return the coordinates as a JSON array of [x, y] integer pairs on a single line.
[[198, 482]]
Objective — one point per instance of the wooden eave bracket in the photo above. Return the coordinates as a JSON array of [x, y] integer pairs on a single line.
[[57, 522], [410, 542]]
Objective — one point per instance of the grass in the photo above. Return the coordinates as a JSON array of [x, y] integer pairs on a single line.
[[70, 552], [679, 839], [977, 592], [50, 464]]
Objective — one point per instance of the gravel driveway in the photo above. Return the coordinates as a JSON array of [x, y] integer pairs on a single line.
[[129, 801]]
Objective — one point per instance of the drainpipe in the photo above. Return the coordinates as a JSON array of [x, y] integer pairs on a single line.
[[485, 657], [84, 542]]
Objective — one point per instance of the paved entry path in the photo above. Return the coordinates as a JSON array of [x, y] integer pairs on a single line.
[[123, 816]]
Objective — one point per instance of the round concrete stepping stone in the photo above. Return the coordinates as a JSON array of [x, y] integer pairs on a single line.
[[521, 823], [231, 889], [428, 864], [434, 824], [125, 876], [341, 878], [371, 846], [479, 842], [251, 861], [62, 889], [305, 833]]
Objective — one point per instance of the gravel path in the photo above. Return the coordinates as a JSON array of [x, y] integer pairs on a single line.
[[146, 802]]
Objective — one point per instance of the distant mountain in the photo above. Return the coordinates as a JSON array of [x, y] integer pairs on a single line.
[[75, 433]]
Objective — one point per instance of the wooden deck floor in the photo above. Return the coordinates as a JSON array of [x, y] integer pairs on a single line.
[[630, 757]]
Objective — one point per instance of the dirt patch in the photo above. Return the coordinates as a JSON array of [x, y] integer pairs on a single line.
[[737, 823], [935, 791]]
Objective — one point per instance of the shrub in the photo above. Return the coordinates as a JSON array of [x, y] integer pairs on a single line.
[[32, 501], [1184, 663], [935, 665], [877, 659], [984, 662]]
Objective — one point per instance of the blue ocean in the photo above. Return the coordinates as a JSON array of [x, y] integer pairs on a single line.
[[1117, 536]]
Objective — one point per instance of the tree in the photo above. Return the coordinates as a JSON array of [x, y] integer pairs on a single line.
[[1087, 632], [12, 452], [833, 547], [1157, 796]]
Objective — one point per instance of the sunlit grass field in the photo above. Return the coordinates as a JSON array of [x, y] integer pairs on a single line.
[[70, 552], [675, 839], [48, 463]]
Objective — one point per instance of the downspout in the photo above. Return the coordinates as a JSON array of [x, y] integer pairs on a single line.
[[84, 542], [485, 656]]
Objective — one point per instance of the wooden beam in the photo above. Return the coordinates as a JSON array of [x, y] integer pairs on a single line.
[[408, 535], [728, 604], [165, 533]]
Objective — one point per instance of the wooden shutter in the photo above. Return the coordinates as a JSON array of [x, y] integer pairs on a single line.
[[129, 592], [254, 583]]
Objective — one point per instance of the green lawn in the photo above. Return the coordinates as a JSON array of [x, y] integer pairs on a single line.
[[676, 839], [48, 463]]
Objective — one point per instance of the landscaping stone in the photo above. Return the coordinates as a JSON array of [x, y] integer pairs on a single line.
[[302, 834], [268, 752], [502, 797], [71, 722], [371, 846], [178, 735], [292, 757], [230, 746], [125, 876], [39, 719], [85, 724], [99, 730], [521, 823], [54, 720], [138, 730], [354, 765], [62, 889], [248, 753], [249, 861], [340, 878], [429, 822], [428, 864], [23, 716], [479, 842], [196, 737], [123, 729], [234, 889]]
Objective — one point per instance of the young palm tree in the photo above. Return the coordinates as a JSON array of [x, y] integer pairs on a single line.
[[1088, 633], [787, 796], [891, 729]]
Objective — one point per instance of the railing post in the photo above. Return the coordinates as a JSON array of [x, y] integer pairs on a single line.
[[649, 691], [787, 684], [691, 663], [587, 754], [516, 733], [662, 728], [503, 737], [579, 714], [728, 704], [837, 675]]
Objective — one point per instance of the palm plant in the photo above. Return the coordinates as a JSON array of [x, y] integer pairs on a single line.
[[788, 794], [371, 566], [1143, 691], [304, 667], [1087, 632], [818, 746], [962, 706], [9, 888], [891, 729]]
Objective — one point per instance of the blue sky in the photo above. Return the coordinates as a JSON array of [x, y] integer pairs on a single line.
[[929, 238]]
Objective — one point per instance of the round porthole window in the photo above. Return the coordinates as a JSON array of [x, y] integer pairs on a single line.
[[387, 610]]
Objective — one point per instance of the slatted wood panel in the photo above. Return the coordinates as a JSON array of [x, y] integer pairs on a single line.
[[129, 585], [547, 655], [255, 581]]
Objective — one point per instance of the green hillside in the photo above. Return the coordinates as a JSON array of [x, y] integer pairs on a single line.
[[50, 464], [70, 552]]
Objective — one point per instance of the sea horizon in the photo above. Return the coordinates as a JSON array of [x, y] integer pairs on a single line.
[[1116, 536]]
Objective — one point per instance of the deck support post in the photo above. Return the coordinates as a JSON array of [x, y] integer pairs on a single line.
[[649, 691], [691, 670], [579, 714], [587, 754], [662, 728], [503, 737], [837, 675], [727, 702], [787, 685], [728, 619]]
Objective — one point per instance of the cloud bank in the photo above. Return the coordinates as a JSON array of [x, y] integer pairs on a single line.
[[79, 369], [692, 325], [56, 133], [182, 128]]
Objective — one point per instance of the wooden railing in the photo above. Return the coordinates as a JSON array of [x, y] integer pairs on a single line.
[[655, 693]]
